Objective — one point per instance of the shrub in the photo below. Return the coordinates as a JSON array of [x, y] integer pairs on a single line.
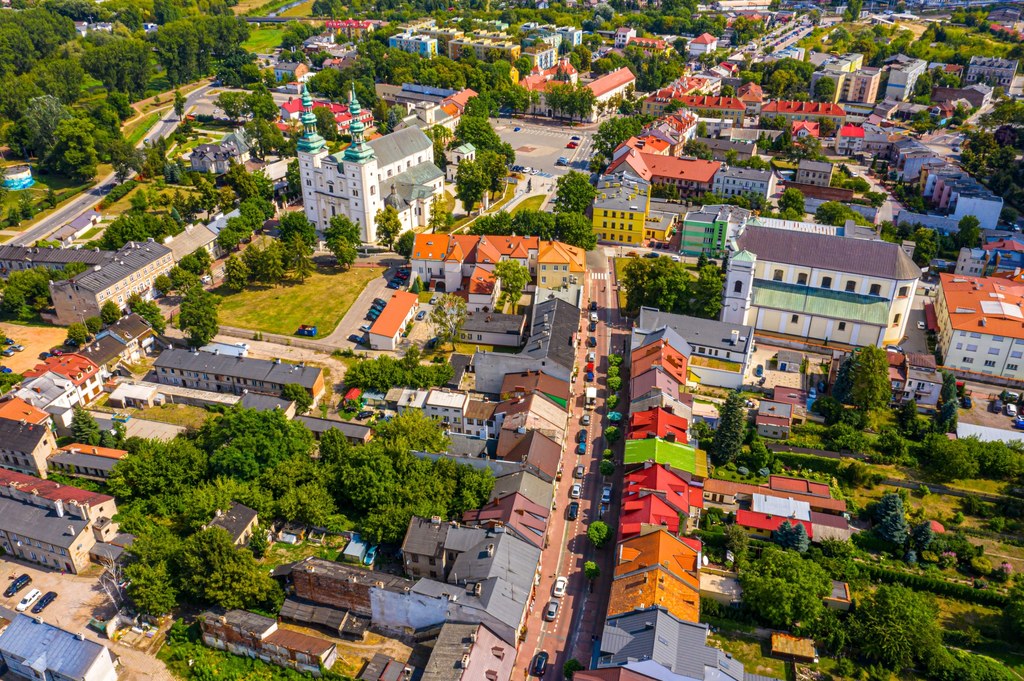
[[118, 192], [981, 566], [607, 453], [939, 587], [607, 467], [612, 401], [614, 383]]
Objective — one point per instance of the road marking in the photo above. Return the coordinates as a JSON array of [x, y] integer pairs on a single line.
[[598, 275]]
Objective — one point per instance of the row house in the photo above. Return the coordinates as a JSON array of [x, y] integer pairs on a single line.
[[250, 635], [794, 111], [236, 375]]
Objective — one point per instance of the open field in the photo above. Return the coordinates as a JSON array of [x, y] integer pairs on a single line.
[[303, 10], [137, 130], [36, 339], [532, 203], [263, 39], [322, 300]]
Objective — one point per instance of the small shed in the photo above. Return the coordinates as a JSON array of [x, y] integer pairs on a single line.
[[355, 551], [128, 395], [794, 648], [789, 360], [839, 599], [352, 398]]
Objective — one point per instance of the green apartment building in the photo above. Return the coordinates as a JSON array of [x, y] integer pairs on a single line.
[[709, 229]]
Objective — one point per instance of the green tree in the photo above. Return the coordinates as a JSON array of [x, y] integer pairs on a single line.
[[110, 312], [93, 325], [258, 543], [405, 243], [853, 9], [440, 216], [236, 273], [220, 573], [388, 225], [896, 626], [151, 587], [891, 519], [293, 392], [825, 90], [198, 318], [591, 570], [782, 589], [149, 311], [968, 234], [514, 276], [342, 237], [570, 668], [296, 224], [78, 334], [574, 193], [926, 245], [599, 533], [792, 200], [84, 428], [179, 104], [707, 293], [447, 318], [947, 459], [470, 184], [300, 261], [732, 425], [870, 387], [792, 536], [1013, 612], [737, 540], [74, 149]]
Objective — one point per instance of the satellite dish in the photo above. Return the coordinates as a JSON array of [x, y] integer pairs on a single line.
[[704, 560]]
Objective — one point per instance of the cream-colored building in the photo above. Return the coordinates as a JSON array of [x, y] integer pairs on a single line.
[[981, 325], [820, 287]]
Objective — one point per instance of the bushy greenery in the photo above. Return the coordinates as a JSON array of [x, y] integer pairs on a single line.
[[383, 373]]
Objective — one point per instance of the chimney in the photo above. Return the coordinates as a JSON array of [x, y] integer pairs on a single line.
[[490, 550], [670, 436], [58, 506], [71, 530], [734, 337]]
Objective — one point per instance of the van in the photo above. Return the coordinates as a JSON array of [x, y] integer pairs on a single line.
[[1011, 409], [30, 598]]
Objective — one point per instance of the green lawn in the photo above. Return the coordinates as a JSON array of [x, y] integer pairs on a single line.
[[303, 10], [751, 651], [322, 300], [263, 39], [137, 130], [64, 188], [532, 203]]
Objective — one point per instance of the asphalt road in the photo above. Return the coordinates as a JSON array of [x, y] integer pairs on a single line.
[[85, 201]]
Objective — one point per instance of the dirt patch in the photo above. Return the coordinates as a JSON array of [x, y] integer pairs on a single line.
[[353, 655], [36, 339], [526, 149]]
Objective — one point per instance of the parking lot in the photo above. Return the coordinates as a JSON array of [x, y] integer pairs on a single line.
[[35, 339], [540, 146], [79, 597]]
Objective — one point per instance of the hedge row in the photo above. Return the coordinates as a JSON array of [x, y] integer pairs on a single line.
[[118, 193], [820, 464], [939, 587]]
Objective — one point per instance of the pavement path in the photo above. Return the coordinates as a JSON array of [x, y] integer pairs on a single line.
[[88, 199]]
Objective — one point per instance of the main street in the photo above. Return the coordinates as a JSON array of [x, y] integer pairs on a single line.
[[88, 199], [581, 611]]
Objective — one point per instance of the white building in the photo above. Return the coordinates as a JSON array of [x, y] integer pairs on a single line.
[[622, 36], [981, 326], [735, 181], [702, 44], [36, 650], [395, 170], [819, 286], [903, 74]]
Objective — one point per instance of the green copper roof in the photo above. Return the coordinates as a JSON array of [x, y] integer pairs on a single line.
[[677, 455], [822, 302], [358, 151], [743, 256], [311, 141]]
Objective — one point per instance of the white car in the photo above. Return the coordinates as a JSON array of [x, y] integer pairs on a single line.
[[576, 491], [30, 598], [593, 316], [606, 494], [922, 326], [560, 585]]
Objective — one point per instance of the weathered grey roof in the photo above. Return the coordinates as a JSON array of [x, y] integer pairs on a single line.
[[425, 538], [103, 350], [868, 257], [81, 460], [264, 402], [235, 520], [494, 322], [708, 333], [815, 166], [20, 436], [464, 445], [128, 328], [191, 240], [49, 649], [399, 145], [248, 622], [239, 367], [745, 173], [505, 567], [654, 635], [529, 485], [32, 255], [350, 430], [460, 538], [132, 257], [453, 641], [670, 336], [551, 332]]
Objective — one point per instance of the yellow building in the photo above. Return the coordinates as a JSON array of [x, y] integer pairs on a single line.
[[484, 45], [621, 208], [559, 265]]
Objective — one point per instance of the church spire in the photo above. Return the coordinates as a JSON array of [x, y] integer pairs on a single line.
[[311, 141], [359, 151]]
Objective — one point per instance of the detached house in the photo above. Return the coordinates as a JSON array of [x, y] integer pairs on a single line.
[[25, 446]]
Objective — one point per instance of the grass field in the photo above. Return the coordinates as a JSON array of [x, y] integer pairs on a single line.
[[322, 300], [137, 130], [303, 10], [263, 39], [532, 203]]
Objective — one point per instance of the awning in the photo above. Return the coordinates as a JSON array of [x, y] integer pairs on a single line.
[[929, 317]]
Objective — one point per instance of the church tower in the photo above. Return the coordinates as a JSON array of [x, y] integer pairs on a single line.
[[311, 150], [358, 167], [739, 285]]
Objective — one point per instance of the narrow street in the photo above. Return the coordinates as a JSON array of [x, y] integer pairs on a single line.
[[581, 611]]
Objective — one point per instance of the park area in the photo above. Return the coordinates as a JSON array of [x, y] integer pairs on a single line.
[[321, 301]]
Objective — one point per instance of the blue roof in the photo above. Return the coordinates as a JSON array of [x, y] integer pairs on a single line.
[[45, 647], [428, 90]]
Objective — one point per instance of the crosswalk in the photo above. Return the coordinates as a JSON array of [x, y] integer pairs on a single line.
[[599, 275]]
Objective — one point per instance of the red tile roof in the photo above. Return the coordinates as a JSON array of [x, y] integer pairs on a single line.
[[611, 81], [1004, 245], [654, 167], [48, 489], [656, 495], [516, 511], [75, 367], [730, 488], [783, 484], [709, 102], [395, 313], [656, 43], [105, 452], [851, 130], [763, 521], [658, 422], [705, 39], [802, 108], [750, 92], [812, 128]]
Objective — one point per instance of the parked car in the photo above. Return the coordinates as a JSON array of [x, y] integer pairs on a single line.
[[581, 448], [540, 660], [17, 585], [420, 315], [652, 254], [579, 472], [8, 341], [355, 338], [759, 370], [575, 138], [966, 402], [433, 300], [365, 327], [576, 491], [1018, 423], [17, 348], [593, 326], [1011, 409], [364, 414], [394, 285], [593, 316], [581, 436], [592, 342], [516, 129], [585, 420], [551, 612], [589, 376], [6, 370], [30, 598], [431, 344], [591, 357], [560, 585], [573, 511], [48, 597], [7, 352], [572, 145], [606, 494], [922, 326], [593, 305]]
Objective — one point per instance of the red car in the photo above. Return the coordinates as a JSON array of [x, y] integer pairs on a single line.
[[571, 145]]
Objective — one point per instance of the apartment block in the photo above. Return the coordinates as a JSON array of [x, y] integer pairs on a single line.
[[981, 326], [423, 45], [991, 70], [903, 74], [25, 446]]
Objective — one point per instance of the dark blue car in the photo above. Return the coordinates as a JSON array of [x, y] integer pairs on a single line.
[[581, 448]]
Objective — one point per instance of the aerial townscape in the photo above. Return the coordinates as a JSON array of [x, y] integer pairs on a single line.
[[498, 340]]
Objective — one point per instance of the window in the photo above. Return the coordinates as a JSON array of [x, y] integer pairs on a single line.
[[903, 291], [801, 279], [851, 286], [842, 326], [959, 346], [777, 276], [971, 347], [737, 287], [876, 290], [990, 363], [1011, 367], [826, 282], [968, 360], [795, 318], [896, 319]]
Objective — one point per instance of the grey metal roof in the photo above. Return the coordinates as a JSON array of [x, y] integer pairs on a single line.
[[317, 426], [654, 635], [494, 322], [191, 240], [32, 255], [39, 522], [46, 648], [459, 363], [505, 573], [21, 436], [399, 145], [622, 192], [464, 445], [551, 332], [238, 367], [529, 485], [81, 460], [709, 333], [103, 350], [868, 257], [131, 258], [445, 663], [670, 336], [235, 520], [425, 538], [745, 173], [460, 538], [815, 166], [128, 328], [248, 622], [264, 402]]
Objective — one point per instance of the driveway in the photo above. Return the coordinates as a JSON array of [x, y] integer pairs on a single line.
[[356, 315]]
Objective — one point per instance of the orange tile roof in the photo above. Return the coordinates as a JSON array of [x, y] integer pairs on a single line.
[[705, 39], [750, 92], [481, 282], [559, 253], [661, 354], [709, 102], [395, 313], [655, 167], [611, 81], [75, 367], [658, 548], [461, 98], [802, 108], [106, 452], [812, 128], [656, 569], [17, 409], [486, 249], [987, 305]]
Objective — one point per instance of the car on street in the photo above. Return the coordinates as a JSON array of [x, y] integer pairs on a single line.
[[539, 664], [585, 420], [575, 138], [48, 597], [894, 348], [516, 129], [579, 472], [922, 326], [606, 494], [420, 315], [30, 598], [592, 342], [576, 491], [652, 254], [589, 377], [966, 402], [572, 145], [581, 436], [573, 512], [560, 586], [581, 448], [593, 306], [551, 612], [592, 327], [759, 370], [17, 585], [591, 357], [394, 284], [355, 338], [6, 370]]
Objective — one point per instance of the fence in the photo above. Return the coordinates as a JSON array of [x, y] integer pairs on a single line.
[[249, 334]]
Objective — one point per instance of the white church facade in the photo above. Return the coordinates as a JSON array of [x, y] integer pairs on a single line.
[[394, 170]]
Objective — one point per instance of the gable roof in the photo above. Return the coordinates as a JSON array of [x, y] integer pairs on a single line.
[[768, 522], [869, 257], [675, 454], [50, 490], [539, 451], [525, 483], [780, 107], [520, 384], [72, 366], [17, 409], [399, 145], [657, 422], [528, 520], [242, 367], [651, 167], [396, 311], [705, 39], [22, 436], [611, 81], [235, 520]]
